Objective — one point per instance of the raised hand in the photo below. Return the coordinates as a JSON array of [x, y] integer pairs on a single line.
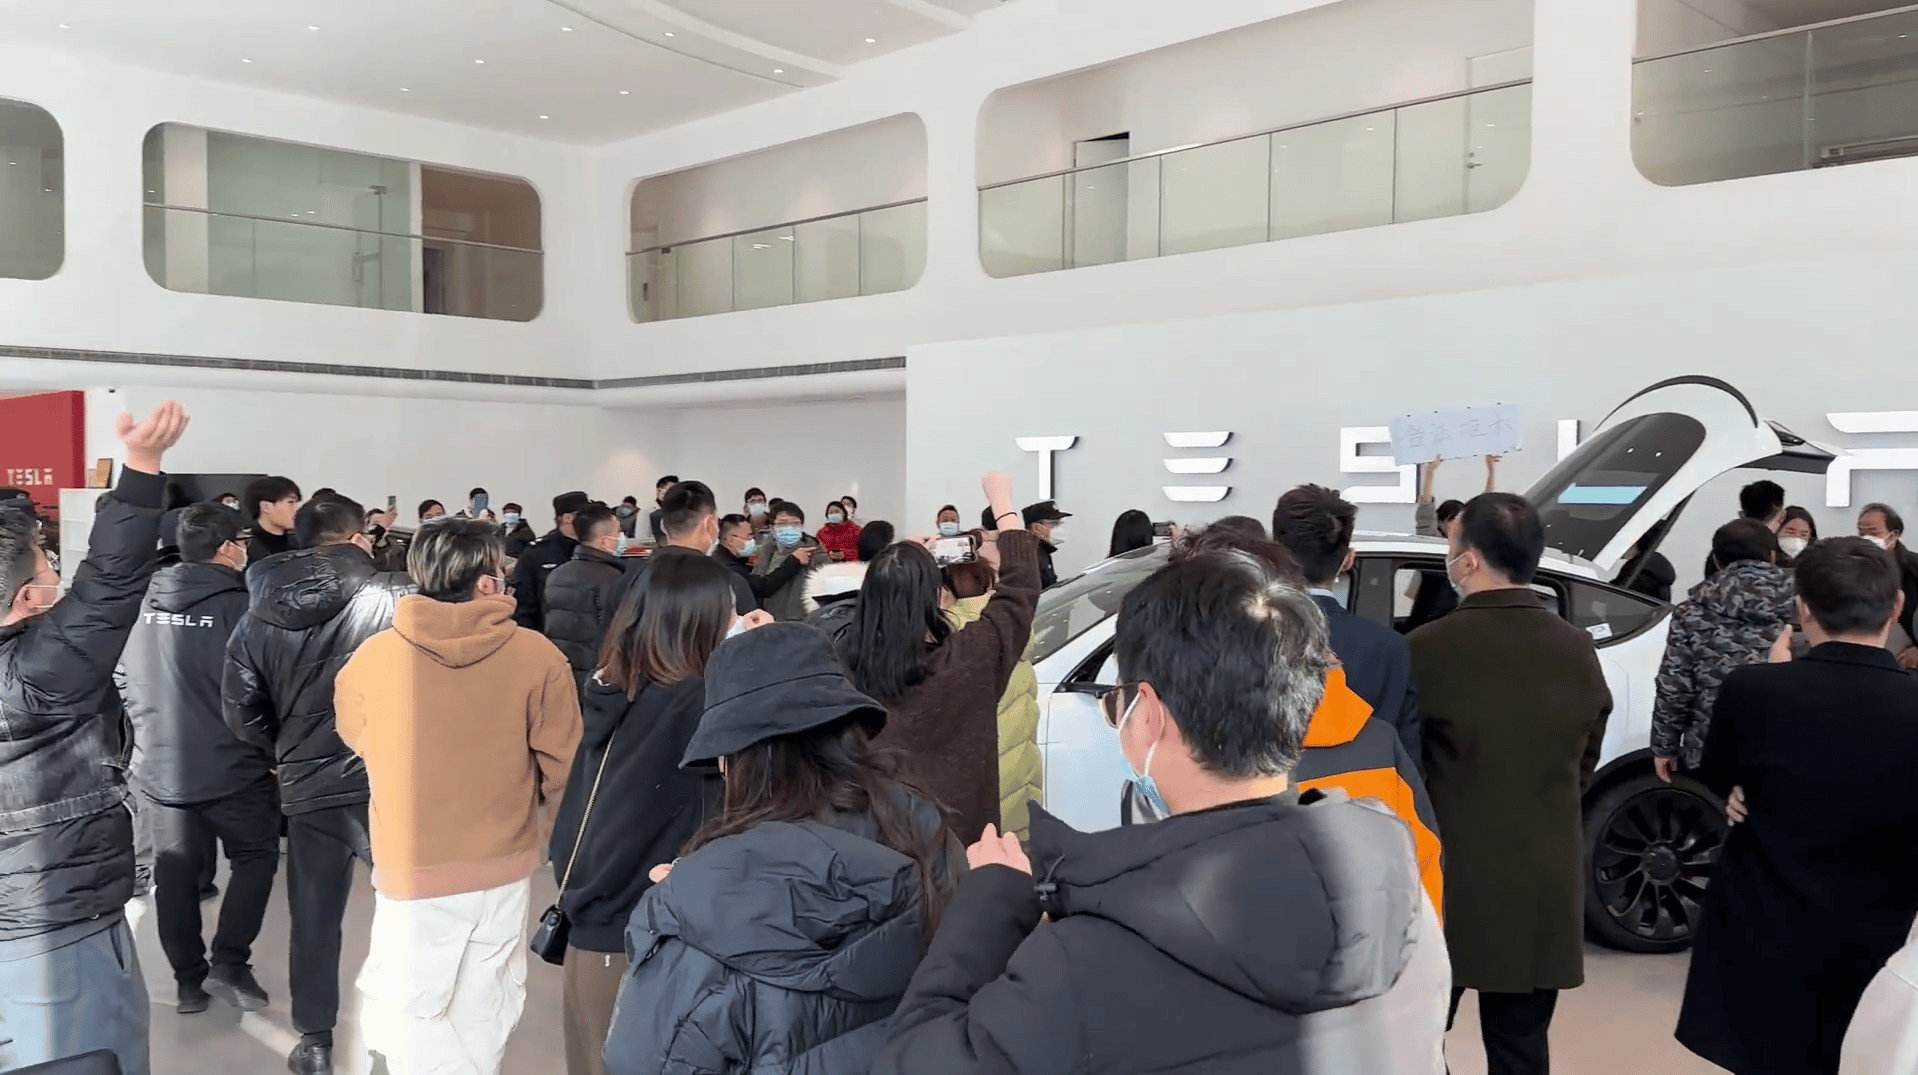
[[996, 849], [148, 440]]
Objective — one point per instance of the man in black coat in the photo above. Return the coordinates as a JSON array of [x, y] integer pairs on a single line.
[[192, 772], [690, 516], [1317, 525], [576, 615], [1043, 520], [1255, 931], [70, 979], [1817, 889], [310, 610], [543, 557], [1883, 527]]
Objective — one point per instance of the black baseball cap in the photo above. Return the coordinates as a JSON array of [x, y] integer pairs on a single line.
[[1045, 511]]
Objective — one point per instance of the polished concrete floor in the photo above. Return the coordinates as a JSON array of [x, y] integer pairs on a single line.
[[1620, 1022]]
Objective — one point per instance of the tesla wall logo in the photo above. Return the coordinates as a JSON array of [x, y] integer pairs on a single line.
[[1838, 478], [1215, 464], [1047, 447]]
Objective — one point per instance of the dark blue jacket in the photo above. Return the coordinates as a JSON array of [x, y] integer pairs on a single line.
[[1378, 668], [66, 836]]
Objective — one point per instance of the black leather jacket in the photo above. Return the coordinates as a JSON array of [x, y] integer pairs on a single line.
[[311, 609], [66, 836], [576, 617]]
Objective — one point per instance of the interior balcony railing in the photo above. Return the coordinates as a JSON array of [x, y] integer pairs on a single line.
[[1442, 156], [257, 257], [867, 252], [1838, 92]]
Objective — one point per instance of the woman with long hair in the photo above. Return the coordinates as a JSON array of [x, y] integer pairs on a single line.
[[942, 686], [1131, 531], [640, 710], [1021, 765], [1797, 531], [789, 928]]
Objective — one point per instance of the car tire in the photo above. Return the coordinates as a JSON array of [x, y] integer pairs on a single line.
[[1650, 848]]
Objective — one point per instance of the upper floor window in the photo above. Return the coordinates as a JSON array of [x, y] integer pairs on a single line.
[[33, 186], [1781, 86], [230, 214]]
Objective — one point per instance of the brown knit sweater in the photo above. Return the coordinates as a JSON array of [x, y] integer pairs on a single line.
[[948, 725], [467, 723]]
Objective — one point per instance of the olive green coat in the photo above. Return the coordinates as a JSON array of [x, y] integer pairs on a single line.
[[1515, 707], [1021, 766]]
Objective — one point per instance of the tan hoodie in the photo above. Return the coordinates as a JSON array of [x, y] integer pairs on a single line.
[[467, 723]]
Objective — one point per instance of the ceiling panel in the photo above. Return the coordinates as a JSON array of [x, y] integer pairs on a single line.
[[839, 31]]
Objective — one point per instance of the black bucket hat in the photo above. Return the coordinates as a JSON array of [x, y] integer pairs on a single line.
[[777, 680]]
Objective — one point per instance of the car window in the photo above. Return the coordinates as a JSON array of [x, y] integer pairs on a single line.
[[1075, 606], [1607, 613]]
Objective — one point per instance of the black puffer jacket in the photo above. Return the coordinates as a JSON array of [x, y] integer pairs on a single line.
[[311, 609], [576, 615], [66, 836], [183, 752], [530, 570], [781, 949]]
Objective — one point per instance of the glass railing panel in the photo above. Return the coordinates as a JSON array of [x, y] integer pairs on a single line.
[[1863, 90], [826, 259], [1499, 152], [1332, 176], [1433, 159], [1022, 227], [493, 282], [1099, 214], [705, 277], [892, 248], [763, 269], [1722, 113], [1143, 192], [1215, 196]]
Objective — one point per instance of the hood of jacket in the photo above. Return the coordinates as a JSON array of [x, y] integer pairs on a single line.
[[180, 587], [1341, 714], [302, 589], [810, 907], [1747, 592], [832, 580], [1205, 889], [456, 634]]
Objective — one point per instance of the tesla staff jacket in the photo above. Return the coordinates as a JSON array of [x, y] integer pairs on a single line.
[[66, 838], [1515, 708], [311, 609], [1819, 886], [1378, 668], [183, 751]]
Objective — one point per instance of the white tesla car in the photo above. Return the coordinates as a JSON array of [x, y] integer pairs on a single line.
[[1650, 846]]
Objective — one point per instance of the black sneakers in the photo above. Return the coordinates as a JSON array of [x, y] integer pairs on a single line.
[[193, 1000], [238, 987], [311, 1058]]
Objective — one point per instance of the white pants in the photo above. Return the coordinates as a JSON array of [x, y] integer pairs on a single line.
[[445, 982]]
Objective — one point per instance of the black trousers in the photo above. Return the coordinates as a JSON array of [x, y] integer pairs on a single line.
[[321, 848], [1514, 1026], [143, 848], [247, 823]]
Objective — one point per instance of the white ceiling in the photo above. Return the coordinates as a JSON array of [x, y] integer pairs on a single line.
[[1807, 12], [623, 68]]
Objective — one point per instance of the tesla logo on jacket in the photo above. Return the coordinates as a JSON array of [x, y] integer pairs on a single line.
[[176, 619]]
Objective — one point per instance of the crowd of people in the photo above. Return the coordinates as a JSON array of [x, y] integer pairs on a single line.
[[788, 783]]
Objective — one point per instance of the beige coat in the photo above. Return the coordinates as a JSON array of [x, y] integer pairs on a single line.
[[1883, 1036]]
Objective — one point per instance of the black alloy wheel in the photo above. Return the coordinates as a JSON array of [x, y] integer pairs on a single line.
[[1650, 850]]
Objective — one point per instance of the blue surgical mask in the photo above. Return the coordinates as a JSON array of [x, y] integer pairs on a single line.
[[511, 519], [948, 529], [835, 519], [756, 507], [1144, 788], [625, 512], [787, 536]]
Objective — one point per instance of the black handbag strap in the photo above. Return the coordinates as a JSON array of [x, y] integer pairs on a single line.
[[591, 798]]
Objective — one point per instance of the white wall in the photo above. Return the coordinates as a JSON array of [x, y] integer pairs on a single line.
[[1801, 339], [1584, 212], [837, 172], [369, 447], [809, 452], [103, 299]]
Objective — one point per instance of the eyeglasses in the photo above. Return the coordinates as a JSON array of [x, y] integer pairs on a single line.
[[1114, 703]]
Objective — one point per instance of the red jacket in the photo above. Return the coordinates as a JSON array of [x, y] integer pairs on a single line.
[[842, 538]]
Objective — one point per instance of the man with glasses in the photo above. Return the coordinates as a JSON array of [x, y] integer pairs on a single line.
[[1277, 932], [466, 723], [70, 980]]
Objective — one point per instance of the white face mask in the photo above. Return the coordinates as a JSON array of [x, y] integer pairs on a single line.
[[1793, 546], [1883, 543]]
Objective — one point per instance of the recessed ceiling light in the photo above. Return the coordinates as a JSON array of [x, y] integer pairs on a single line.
[[479, 61], [546, 117], [246, 61], [403, 89], [625, 93], [872, 41], [312, 29], [64, 26], [779, 70], [566, 29], [669, 33]]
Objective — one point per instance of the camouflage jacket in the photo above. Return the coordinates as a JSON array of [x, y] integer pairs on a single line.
[[1730, 620]]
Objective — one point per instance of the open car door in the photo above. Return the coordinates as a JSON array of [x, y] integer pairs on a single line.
[[1650, 455]]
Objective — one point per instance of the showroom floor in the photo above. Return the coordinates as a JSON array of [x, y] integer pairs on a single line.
[[1620, 1021]]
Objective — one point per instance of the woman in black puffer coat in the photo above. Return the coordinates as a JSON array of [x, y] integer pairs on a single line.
[[784, 937]]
